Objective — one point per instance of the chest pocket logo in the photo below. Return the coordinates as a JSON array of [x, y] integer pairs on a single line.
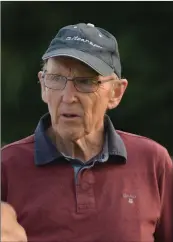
[[130, 197]]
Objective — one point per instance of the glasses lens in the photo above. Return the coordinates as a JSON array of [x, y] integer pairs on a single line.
[[54, 81], [86, 84]]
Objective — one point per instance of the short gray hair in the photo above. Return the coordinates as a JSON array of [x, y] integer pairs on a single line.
[[43, 65]]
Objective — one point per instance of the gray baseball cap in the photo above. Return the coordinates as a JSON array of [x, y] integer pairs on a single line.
[[92, 45]]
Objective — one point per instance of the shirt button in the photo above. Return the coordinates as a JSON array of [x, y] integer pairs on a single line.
[[82, 206]]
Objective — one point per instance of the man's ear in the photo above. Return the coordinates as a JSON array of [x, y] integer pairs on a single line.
[[43, 88], [117, 93]]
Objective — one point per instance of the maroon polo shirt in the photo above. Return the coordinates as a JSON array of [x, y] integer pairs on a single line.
[[110, 201]]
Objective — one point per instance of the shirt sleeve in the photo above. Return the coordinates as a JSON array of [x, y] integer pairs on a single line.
[[164, 228]]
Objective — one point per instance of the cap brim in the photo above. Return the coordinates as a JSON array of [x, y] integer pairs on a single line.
[[98, 65]]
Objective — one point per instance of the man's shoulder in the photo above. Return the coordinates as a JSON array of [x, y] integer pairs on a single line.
[[18, 148], [138, 139], [19, 143], [147, 147]]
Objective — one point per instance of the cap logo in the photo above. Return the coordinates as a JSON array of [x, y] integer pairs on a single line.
[[76, 38]]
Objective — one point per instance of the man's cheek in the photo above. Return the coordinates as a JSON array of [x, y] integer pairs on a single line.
[[53, 106], [87, 121]]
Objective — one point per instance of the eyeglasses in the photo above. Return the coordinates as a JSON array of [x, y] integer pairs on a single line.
[[82, 84]]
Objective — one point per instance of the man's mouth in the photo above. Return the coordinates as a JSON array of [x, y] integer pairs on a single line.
[[71, 115]]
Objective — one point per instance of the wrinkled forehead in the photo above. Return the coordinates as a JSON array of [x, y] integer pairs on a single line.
[[69, 66]]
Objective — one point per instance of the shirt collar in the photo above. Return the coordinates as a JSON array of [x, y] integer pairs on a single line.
[[45, 151]]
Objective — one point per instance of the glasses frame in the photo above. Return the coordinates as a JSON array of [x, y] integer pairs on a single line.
[[98, 83]]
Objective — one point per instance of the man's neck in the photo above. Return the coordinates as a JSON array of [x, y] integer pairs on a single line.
[[83, 149]]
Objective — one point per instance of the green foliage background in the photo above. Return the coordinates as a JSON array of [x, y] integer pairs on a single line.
[[144, 31]]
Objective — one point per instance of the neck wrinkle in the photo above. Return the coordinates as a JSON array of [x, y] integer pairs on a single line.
[[83, 149]]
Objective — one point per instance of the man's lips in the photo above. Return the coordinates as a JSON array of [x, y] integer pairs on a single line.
[[70, 115]]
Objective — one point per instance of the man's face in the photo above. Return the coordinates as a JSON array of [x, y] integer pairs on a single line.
[[75, 114]]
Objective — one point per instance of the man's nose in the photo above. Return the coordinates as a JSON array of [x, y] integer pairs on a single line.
[[69, 92]]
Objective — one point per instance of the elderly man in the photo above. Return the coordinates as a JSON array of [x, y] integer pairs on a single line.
[[77, 179]]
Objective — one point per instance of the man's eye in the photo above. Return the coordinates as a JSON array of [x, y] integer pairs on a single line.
[[87, 81], [55, 78]]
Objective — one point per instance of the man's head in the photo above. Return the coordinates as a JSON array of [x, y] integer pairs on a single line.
[[81, 79]]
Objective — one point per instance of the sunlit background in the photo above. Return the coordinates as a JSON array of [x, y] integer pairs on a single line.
[[144, 31]]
